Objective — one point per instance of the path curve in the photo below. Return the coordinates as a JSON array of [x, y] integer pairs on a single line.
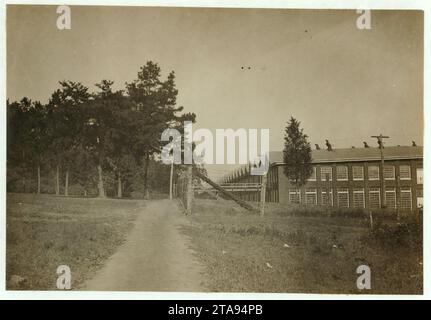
[[155, 256]]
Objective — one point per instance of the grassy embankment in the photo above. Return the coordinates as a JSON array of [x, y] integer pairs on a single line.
[[291, 250], [45, 231]]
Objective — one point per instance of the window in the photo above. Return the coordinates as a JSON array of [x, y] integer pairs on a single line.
[[420, 198], [295, 196], [391, 198], [406, 198], [313, 175], [420, 176], [358, 198], [373, 173], [358, 172], [325, 200], [342, 173], [343, 197], [374, 198], [389, 173], [311, 196], [405, 172], [326, 171]]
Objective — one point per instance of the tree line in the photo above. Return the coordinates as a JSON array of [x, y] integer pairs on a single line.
[[103, 142]]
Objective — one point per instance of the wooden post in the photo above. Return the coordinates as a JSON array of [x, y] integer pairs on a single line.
[[382, 160], [398, 195], [170, 179], [66, 184], [189, 200], [38, 179], [263, 195], [57, 180]]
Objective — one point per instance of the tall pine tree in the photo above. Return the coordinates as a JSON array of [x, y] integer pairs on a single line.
[[296, 154], [154, 110]]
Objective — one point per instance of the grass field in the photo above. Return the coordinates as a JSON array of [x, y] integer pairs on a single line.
[[285, 251], [243, 252], [45, 231]]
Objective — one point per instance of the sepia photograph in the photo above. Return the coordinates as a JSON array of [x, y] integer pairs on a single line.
[[210, 149]]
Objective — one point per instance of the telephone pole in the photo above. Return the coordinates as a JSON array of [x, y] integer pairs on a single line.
[[382, 158]]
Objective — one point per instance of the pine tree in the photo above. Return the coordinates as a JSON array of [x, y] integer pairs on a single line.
[[296, 154], [155, 110]]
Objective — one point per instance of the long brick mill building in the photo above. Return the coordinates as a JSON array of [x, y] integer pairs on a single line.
[[347, 178]]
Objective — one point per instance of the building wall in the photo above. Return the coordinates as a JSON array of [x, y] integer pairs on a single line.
[[271, 189], [351, 185]]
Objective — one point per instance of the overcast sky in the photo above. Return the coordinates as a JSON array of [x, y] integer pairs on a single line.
[[342, 83]]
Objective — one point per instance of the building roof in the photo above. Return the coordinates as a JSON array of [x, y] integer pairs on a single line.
[[357, 154]]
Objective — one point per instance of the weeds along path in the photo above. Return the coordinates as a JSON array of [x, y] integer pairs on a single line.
[[155, 256]]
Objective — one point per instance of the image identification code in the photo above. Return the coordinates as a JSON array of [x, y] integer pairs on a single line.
[[217, 309]]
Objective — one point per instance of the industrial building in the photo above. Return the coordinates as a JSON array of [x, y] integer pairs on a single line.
[[347, 178]]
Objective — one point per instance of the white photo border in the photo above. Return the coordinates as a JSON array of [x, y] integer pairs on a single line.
[[423, 5]]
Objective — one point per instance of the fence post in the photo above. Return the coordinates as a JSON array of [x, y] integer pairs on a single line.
[[263, 195], [171, 176], [190, 191]]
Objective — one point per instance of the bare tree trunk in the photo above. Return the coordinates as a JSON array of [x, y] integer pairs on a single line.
[[57, 181], [23, 184], [100, 185], [66, 184], [120, 189], [85, 192], [190, 191], [38, 179], [147, 164]]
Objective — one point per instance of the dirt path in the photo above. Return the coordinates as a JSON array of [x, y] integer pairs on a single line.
[[155, 256]]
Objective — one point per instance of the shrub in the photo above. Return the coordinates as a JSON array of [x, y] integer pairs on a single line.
[[316, 211], [136, 195], [403, 234]]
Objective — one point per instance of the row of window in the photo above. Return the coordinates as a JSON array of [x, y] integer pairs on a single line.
[[342, 173], [358, 197]]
